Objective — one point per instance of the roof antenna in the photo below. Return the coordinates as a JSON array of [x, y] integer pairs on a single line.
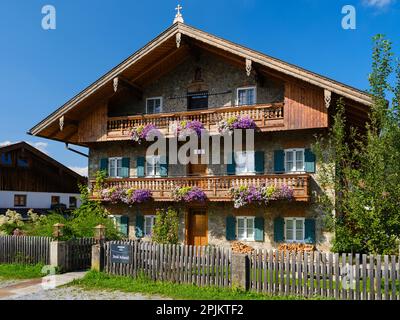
[[178, 16]]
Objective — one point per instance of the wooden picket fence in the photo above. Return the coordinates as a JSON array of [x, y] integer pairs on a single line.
[[28, 250], [202, 266], [79, 254], [345, 277]]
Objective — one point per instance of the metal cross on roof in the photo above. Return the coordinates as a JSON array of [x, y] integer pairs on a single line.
[[178, 16]]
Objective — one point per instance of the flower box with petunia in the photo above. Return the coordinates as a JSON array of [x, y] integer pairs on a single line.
[[227, 126], [248, 195], [186, 128], [142, 133], [136, 196], [189, 194]]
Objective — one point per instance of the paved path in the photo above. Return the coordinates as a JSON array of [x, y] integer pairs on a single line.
[[48, 288]]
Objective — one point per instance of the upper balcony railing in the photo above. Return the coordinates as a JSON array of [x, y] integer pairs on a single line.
[[266, 117], [216, 188]]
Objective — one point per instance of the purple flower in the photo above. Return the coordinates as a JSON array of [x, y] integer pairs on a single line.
[[236, 122], [133, 196], [185, 128], [189, 194], [142, 133], [113, 195]]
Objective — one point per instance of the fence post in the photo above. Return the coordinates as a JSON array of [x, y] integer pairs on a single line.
[[98, 257], [58, 254], [241, 271]]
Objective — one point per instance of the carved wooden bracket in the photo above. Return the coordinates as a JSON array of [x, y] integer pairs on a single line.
[[61, 122], [115, 84], [328, 98], [248, 67], [178, 39]]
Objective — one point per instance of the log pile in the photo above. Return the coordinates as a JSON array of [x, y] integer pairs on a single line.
[[239, 247], [296, 248]]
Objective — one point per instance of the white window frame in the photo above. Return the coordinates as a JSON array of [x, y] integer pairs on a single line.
[[154, 98], [246, 88], [116, 159], [248, 172], [294, 229], [245, 218], [153, 219], [154, 167], [294, 151]]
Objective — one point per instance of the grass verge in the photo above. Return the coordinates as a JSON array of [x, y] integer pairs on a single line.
[[20, 271], [97, 280]]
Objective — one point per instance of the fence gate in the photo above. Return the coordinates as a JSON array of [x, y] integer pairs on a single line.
[[78, 254]]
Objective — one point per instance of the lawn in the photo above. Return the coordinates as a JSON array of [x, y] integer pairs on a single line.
[[96, 280], [20, 271]]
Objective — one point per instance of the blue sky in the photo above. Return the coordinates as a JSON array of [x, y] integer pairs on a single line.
[[41, 70]]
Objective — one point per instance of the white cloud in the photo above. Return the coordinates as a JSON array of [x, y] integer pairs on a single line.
[[83, 171], [378, 3], [42, 146]]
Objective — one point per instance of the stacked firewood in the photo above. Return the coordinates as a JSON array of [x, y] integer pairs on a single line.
[[296, 248], [239, 247]]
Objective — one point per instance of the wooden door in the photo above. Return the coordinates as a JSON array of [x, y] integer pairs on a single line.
[[198, 227]]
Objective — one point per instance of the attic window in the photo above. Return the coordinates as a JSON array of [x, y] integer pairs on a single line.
[[6, 159], [22, 162]]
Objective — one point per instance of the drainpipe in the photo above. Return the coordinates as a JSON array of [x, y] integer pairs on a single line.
[[75, 151]]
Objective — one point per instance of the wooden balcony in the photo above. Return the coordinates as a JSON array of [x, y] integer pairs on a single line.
[[216, 188], [267, 117]]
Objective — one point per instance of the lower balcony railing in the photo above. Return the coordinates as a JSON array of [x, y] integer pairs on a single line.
[[216, 188], [266, 116]]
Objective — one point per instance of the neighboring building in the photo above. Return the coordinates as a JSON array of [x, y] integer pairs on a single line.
[[188, 74], [30, 179]]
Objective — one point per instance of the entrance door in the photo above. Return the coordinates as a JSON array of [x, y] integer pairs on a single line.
[[198, 227]]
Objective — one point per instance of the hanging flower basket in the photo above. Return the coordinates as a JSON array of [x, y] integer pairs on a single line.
[[189, 194], [227, 126], [135, 196], [246, 195], [186, 128], [141, 133]]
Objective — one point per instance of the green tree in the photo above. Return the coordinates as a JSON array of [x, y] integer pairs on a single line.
[[166, 226], [360, 172]]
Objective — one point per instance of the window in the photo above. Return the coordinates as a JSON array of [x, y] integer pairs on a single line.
[[149, 224], [154, 105], [153, 166], [6, 159], [294, 229], [55, 200], [197, 100], [245, 228], [20, 200], [22, 162], [246, 96], [72, 202], [294, 160], [245, 162], [115, 167]]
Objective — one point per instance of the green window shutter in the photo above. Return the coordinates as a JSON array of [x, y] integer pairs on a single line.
[[279, 161], [124, 225], [140, 162], [309, 159], [259, 160], [163, 166], [309, 234], [139, 226], [231, 168], [259, 229], [279, 232], [104, 165], [126, 166], [231, 228]]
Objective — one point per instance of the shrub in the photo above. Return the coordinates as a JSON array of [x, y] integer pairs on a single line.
[[166, 226]]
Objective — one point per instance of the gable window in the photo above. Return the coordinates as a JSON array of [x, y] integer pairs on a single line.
[[245, 162], [55, 200], [6, 159], [22, 162], [246, 96], [245, 228], [115, 167], [72, 202], [20, 200], [149, 224], [153, 166], [154, 105], [294, 229], [294, 160]]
